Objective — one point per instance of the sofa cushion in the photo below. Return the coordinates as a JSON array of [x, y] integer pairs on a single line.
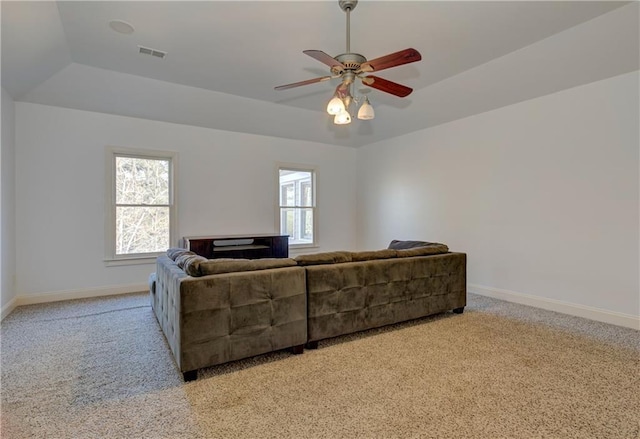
[[190, 263], [324, 258], [174, 252], [403, 245], [432, 249], [371, 255], [227, 265]]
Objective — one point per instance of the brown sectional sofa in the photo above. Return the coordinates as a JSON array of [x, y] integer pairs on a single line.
[[215, 311], [245, 309], [375, 289]]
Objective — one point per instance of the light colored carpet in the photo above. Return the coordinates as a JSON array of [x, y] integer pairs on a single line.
[[100, 368]]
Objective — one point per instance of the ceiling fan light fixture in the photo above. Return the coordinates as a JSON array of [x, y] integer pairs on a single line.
[[335, 106], [366, 110], [342, 118]]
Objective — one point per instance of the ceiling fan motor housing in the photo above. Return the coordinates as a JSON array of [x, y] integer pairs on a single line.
[[351, 62]]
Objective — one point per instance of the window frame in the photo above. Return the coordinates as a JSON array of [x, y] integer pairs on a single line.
[[314, 201], [112, 152]]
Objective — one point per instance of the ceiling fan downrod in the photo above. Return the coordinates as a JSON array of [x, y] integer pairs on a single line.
[[348, 6]]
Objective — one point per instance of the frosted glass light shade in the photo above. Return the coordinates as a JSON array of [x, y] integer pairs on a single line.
[[342, 118], [335, 106], [366, 111]]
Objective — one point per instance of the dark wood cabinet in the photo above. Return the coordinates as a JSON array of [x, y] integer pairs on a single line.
[[238, 246]]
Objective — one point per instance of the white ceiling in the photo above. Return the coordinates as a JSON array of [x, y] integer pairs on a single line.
[[224, 59]]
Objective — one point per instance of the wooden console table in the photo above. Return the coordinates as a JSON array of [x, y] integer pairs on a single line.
[[238, 246]]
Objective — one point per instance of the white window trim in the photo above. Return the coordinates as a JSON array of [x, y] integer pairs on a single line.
[[303, 168], [110, 258]]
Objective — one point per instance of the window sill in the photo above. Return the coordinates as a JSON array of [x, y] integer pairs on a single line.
[[131, 260], [298, 248]]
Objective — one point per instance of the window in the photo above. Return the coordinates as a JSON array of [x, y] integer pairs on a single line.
[[141, 204], [297, 205]]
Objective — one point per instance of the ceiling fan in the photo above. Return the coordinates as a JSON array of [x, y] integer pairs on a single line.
[[348, 66]]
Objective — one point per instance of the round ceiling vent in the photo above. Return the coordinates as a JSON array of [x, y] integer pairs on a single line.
[[121, 26]]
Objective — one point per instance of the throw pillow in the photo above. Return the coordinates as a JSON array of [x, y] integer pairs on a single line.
[[174, 252], [403, 245], [190, 263]]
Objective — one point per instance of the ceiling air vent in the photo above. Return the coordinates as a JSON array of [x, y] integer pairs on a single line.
[[153, 52]]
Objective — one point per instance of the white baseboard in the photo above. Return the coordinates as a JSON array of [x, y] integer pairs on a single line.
[[55, 296], [614, 318], [587, 312], [6, 310]]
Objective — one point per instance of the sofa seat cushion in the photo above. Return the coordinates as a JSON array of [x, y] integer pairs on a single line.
[[226, 265], [324, 258]]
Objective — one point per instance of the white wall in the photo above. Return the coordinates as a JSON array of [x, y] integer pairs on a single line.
[[543, 197], [227, 184], [7, 207]]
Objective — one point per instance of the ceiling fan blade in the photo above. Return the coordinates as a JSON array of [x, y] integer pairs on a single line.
[[387, 86], [307, 82], [324, 58], [395, 59]]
